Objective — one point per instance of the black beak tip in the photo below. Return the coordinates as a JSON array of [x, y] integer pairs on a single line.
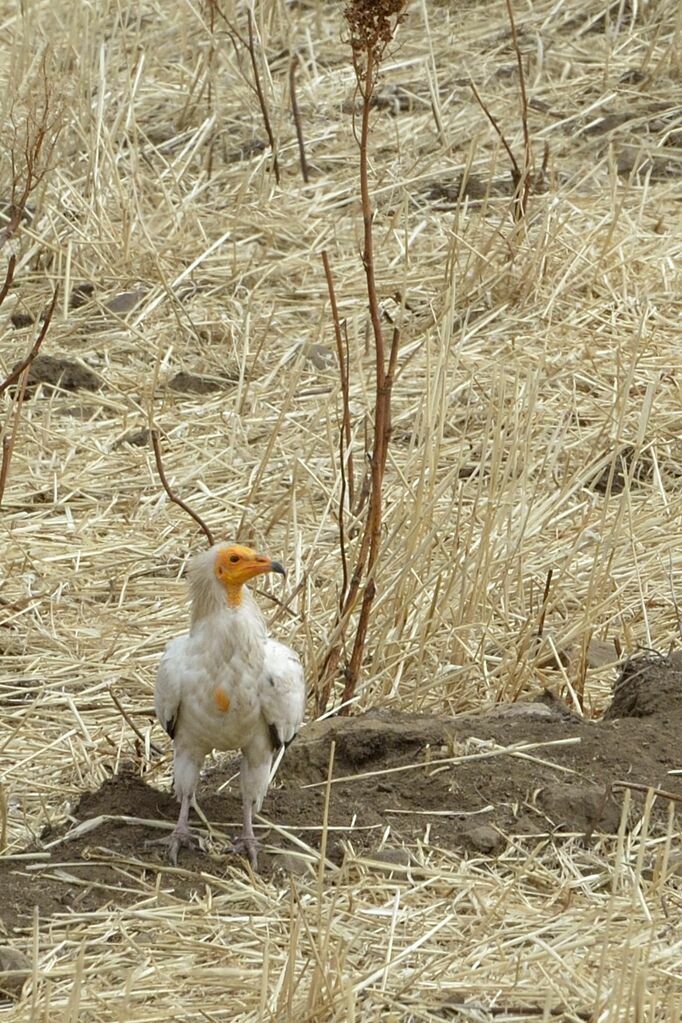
[[278, 567]]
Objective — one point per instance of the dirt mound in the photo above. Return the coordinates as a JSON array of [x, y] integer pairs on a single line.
[[648, 685], [398, 779]]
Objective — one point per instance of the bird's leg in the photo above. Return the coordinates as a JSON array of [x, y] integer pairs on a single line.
[[247, 842], [181, 837]]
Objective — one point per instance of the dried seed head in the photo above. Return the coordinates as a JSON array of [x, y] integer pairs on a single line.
[[372, 25]]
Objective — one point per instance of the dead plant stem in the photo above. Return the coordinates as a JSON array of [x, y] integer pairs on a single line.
[[297, 118], [171, 494], [261, 99]]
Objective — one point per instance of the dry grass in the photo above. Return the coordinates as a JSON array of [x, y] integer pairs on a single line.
[[534, 354]]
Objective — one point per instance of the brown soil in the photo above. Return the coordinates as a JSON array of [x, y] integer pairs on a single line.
[[472, 806], [65, 373]]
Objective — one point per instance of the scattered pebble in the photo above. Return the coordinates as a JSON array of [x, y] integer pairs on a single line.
[[64, 373], [294, 864], [193, 383], [81, 294], [126, 301], [390, 857], [600, 652], [136, 439], [320, 356], [484, 838], [21, 320], [15, 969]]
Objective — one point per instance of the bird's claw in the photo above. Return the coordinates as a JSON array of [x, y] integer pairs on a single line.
[[244, 846], [177, 840]]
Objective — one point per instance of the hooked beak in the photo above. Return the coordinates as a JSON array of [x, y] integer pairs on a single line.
[[277, 566]]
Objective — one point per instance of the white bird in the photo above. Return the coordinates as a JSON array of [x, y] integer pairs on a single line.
[[226, 685]]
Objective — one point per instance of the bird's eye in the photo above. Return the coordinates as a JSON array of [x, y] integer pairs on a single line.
[[234, 558]]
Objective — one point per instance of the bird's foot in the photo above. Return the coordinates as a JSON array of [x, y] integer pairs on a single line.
[[247, 845], [179, 838]]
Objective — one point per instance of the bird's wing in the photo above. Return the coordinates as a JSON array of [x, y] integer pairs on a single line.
[[169, 677], [282, 692]]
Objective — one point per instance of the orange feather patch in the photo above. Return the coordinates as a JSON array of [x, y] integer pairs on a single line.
[[222, 700]]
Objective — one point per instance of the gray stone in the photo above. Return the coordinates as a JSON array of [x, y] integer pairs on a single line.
[[15, 969], [484, 838]]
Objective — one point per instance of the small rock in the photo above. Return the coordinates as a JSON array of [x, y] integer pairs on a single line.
[[320, 356], [246, 151], [83, 412], [393, 98], [550, 656], [294, 864], [126, 301], [580, 806], [674, 868], [632, 159], [20, 320], [484, 838], [157, 134], [192, 383], [390, 857], [600, 653], [136, 438], [522, 710], [81, 294], [15, 969], [65, 373]]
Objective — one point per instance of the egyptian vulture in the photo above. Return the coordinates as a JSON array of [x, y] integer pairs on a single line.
[[227, 685]]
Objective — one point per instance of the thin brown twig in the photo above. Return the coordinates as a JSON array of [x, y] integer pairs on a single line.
[[248, 44], [21, 373], [261, 99], [32, 146], [372, 29], [3, 819], [528, 151], [8, 442], [25, 363], [638, 787], [283, 605], [154, 433], [126, 717], [344, 432], [543, 606], [297, 118], [522, 1010], [516, 172], [9, 277], [371, 541]]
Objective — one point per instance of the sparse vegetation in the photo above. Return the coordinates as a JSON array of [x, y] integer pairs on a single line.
[[528, 535]]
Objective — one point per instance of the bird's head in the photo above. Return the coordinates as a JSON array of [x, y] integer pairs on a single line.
[[235, 565]]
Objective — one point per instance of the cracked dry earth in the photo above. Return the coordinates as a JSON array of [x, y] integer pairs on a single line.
[[402, 782]]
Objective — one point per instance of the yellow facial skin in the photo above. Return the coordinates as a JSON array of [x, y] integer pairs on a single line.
[[235, 565]]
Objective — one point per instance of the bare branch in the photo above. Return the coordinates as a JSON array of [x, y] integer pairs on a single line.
[[676, 797], [21, 373], [249, 44], [345, 431], [127, 718], [261, 100], [524, 99], [32, 140], [372, 27], [515, 167], [173, 497], [18, 370], [297, 118], [9, 277]]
